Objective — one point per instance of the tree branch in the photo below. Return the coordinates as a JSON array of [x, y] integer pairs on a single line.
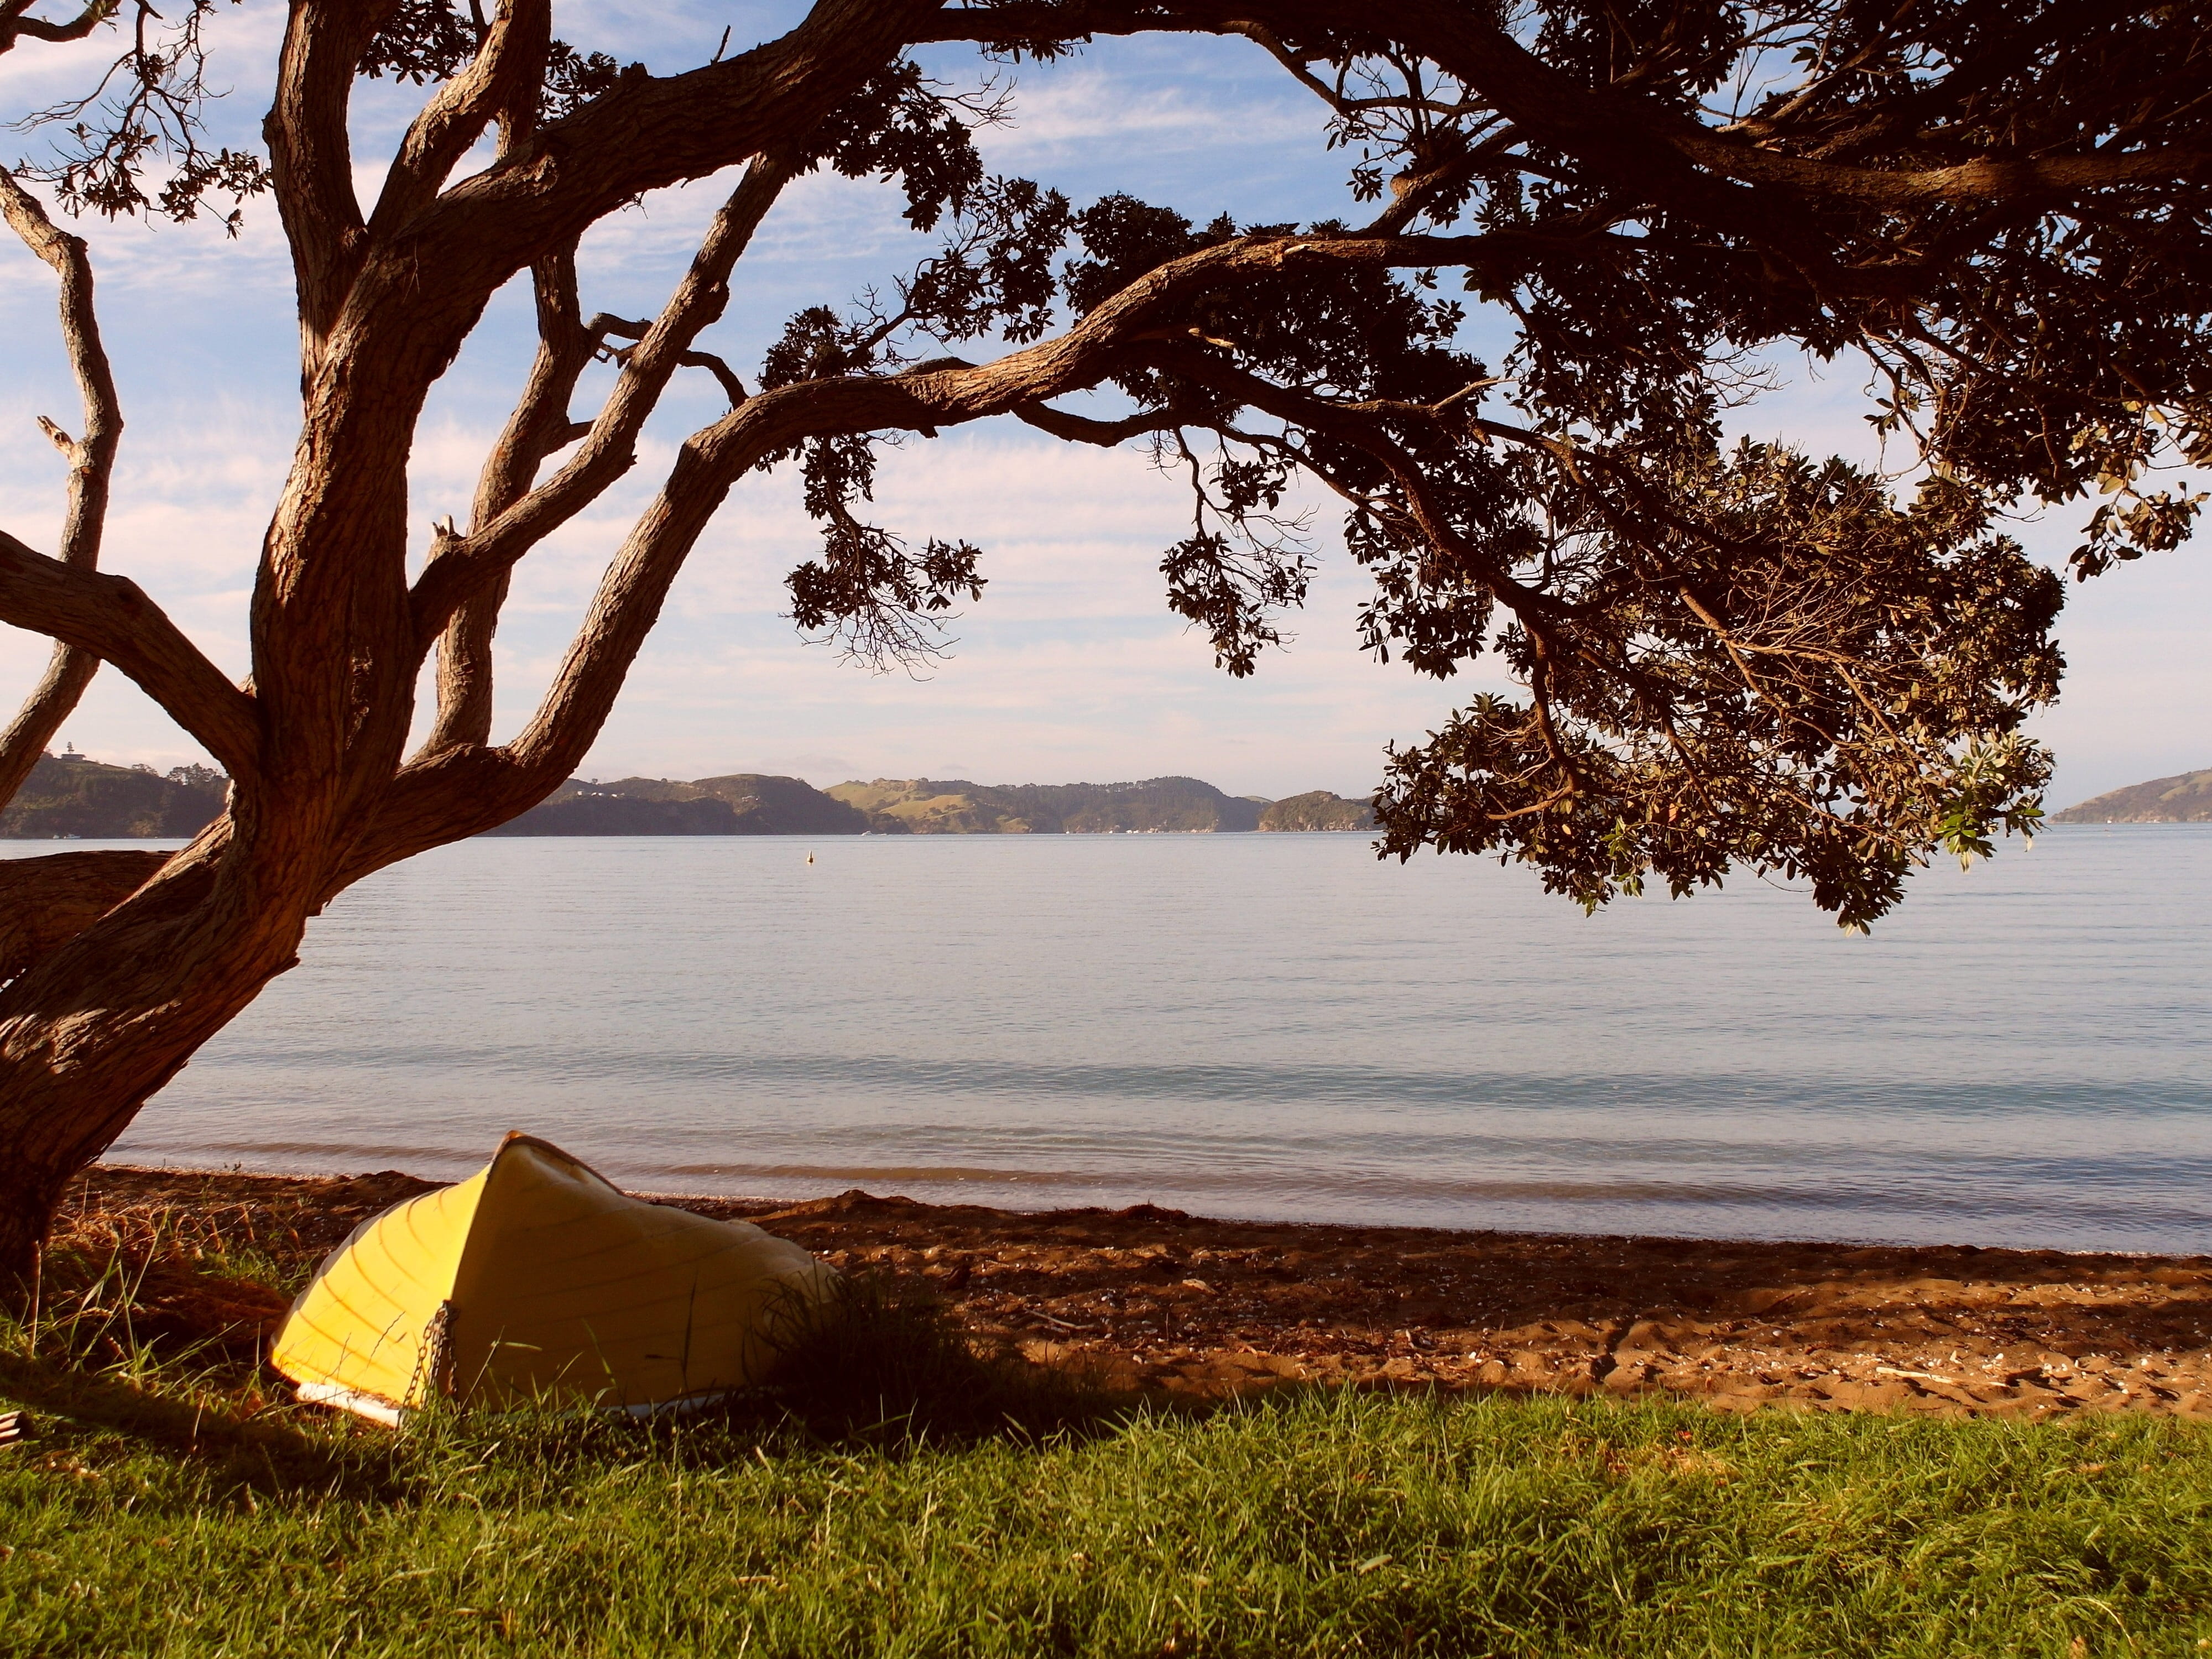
[[91, 464], [465, 565], [112, 618], [443, 796], [511, 58], [1349, 426], [1633, 137], [622, 328], [13, 25], [1019, 380], [651, 132], [1034, 22], [643, 133], [311, 155], [44, 902], [538, 426], [1081, 430], [1668, 159], [52, 699]]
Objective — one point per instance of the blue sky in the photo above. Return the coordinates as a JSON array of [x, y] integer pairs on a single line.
[[1069, 668]]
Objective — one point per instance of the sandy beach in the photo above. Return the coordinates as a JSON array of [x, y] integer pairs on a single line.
[[1155, 1301]]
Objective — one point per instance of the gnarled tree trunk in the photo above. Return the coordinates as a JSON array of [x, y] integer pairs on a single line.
[[104, 1020]]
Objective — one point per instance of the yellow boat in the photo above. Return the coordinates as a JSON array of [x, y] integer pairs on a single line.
[[536, 1279]]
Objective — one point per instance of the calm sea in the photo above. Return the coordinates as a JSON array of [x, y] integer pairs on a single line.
[[1257, 1026]]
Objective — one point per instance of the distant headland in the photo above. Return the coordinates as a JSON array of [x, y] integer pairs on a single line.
[[71, 797], [2185, 799], [750, 804]]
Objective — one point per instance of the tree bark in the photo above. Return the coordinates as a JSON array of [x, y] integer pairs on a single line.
[[44, 902], [91, 463], [68, 1116], [95, 1026]]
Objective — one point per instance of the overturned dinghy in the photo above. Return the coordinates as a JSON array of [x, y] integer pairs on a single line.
[[536, 1279]]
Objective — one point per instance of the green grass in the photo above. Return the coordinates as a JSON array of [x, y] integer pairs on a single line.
[[927, 1502], [1351, 1524]]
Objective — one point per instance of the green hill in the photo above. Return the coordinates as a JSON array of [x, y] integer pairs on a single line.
[[2186, 799], [1318, 809], [930, 806], [744, 804], [67, 795], [903, 806]]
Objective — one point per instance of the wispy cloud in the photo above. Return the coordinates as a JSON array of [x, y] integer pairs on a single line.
[[1053, 115]]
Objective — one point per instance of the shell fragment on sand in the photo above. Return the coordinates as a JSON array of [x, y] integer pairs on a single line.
[[534, 1279]]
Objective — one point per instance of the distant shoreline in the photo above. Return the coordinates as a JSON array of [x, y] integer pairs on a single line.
[[2186, 797]]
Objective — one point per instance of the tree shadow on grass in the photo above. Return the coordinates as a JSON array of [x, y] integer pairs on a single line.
[[265, 1455], [121, 1349], [889, 1368]]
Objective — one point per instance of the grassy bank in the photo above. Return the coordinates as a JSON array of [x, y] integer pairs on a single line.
[[1321, 1524], [897, 1494]]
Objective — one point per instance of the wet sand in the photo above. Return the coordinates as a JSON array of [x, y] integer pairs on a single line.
[[1157, 1300]]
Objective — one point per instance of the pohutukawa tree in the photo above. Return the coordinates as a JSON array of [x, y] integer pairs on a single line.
[[1728, 655]]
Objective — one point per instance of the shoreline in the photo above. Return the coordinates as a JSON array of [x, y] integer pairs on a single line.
[[1156, 1301], [745, 1205]]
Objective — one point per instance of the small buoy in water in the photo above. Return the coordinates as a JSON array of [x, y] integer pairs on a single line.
[[809, 858]]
